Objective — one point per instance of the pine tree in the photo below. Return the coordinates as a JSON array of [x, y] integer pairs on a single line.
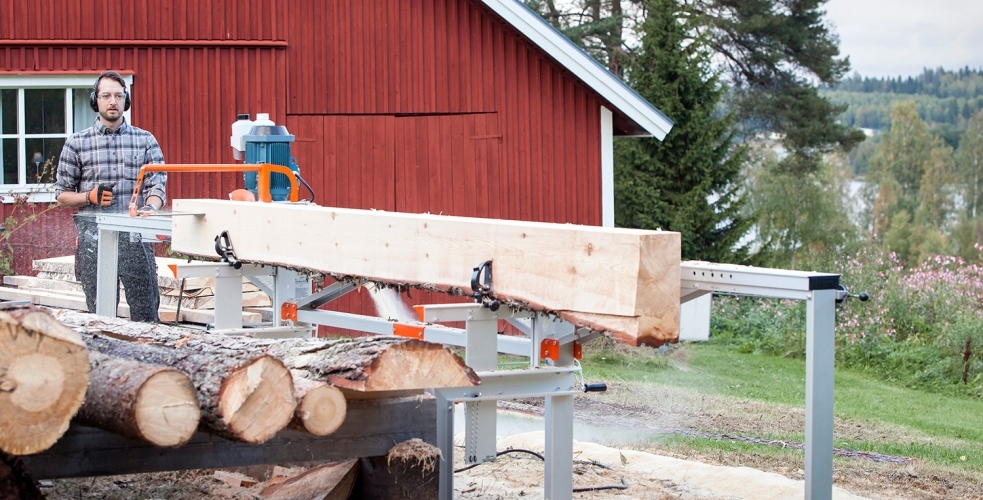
[[775, 54], [690, 181]]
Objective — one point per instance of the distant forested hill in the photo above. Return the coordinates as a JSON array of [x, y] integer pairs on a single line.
[[945, 99]]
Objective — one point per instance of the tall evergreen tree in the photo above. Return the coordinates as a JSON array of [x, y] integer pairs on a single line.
[[774, 51], [688, 182]]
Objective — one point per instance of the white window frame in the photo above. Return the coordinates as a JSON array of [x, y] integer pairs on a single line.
[[44, 193]]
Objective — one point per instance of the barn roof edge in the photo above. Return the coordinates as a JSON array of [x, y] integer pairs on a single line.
[[583, 66]]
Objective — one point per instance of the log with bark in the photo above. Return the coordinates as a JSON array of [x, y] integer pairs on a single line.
[[359, 364], [15, 482], [627, 280], [44, 371], [375, 363], [321, 408], [243, 396], [152, 403]]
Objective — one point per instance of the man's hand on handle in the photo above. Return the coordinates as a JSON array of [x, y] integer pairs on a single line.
[[102, 195]]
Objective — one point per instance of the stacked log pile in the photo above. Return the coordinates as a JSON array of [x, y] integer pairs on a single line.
[[56, 286], [160, 384]]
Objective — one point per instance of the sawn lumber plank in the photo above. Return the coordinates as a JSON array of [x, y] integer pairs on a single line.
[[630, 277]]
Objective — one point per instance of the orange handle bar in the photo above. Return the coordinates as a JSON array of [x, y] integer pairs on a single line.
[[263, 171]]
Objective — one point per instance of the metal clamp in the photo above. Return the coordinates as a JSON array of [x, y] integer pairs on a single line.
[[842, 294], [482, 288], [223, 247]]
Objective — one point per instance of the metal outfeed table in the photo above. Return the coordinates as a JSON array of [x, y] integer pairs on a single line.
[[552, 346]]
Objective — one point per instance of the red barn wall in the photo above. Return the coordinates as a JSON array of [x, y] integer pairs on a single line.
[[410, 105], [453, 60]]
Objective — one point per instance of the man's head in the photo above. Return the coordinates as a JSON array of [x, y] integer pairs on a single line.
[[109, 98]]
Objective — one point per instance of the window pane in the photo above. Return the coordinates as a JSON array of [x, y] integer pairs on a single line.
[[9, 156], [84, 116], [44, 111], [42, 159], [8, 111]]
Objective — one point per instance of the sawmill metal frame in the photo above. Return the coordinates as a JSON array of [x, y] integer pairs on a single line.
[[819, 291], [555, 380]]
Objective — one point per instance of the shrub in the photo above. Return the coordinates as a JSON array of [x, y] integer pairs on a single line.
[[923, 327]]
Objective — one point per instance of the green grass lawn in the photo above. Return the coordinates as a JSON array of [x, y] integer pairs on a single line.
[[954, 425]]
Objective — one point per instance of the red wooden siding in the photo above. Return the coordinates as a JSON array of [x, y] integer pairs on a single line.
[[450, 164], [450, 58], [141, 20], [348, 160]]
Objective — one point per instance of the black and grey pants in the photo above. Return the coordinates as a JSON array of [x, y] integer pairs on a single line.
[[136, 268]]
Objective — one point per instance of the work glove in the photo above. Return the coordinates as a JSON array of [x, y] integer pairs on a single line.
[[101, 195]]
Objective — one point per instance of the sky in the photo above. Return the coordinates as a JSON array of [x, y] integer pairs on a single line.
[[901, 37]]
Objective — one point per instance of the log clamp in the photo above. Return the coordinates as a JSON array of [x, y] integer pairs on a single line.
[[223, 247], [842, 294], [483, 288]]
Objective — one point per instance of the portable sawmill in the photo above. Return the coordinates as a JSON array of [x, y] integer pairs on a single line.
[[560, 285]]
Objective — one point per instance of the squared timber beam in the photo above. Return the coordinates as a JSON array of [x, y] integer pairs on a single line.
[[623, 281]]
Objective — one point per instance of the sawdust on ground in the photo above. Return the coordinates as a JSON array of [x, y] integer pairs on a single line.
[[605, 472]]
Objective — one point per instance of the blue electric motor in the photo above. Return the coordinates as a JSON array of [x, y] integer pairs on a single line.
[[267, 142]]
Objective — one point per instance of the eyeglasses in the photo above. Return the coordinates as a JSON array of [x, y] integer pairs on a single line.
[[106, 97]]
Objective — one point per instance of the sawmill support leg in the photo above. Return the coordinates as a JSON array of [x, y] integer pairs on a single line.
[[228, 298], [558, 484], [107, 285], [445, 441], [481, 417], [820, 350]]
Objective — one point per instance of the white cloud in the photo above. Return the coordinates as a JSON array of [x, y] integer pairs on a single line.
[[901, 37]]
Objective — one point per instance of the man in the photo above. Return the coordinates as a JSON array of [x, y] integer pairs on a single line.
[[96, 173]]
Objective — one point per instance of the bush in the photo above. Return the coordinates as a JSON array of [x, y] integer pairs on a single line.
[[922, 328]]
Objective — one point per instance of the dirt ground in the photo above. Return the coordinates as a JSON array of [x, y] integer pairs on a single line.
[[653, 410], [646, 465]]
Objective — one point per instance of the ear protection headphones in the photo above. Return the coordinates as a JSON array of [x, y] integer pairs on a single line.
[[95, 89]]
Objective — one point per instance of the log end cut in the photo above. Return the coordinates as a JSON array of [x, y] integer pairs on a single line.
[[321, 410], [257, 400], [44, 371], [153, 403], [412, 365], [166, 409]]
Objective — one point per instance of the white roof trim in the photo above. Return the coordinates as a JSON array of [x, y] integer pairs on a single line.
[[583, 66]]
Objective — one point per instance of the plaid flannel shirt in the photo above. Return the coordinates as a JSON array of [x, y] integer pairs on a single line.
[[98, 155]]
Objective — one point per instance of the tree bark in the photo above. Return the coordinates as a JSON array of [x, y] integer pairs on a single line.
[[375, 363], [152, 403], [44, 371], [15, 482], [966, 355], [361, 364], [244, 396]]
